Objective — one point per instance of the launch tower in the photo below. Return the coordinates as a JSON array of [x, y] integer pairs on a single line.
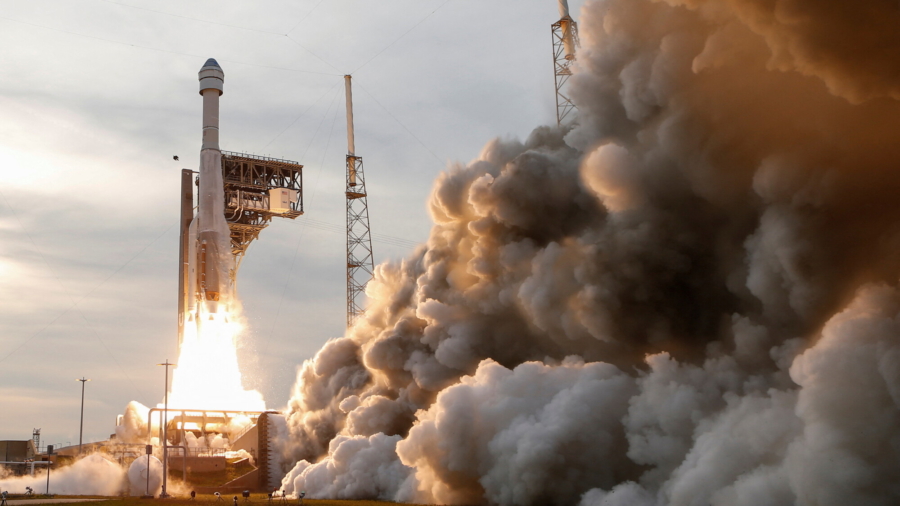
[[258, 189], [360, 263], [565, 39]]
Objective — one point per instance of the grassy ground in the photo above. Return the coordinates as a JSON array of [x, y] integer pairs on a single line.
[[210, 500], [42, 496]]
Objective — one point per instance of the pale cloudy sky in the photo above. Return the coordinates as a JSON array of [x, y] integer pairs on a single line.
[[96, 96]]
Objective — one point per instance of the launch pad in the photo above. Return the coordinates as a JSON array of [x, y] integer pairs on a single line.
[[255, 438]]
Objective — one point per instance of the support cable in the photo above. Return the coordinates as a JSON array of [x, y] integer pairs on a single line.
[[308, 14], [312, 199], [385, 109], [381, 238], [301, 46], [269, 32], [163, 50], [191, 18], [400, 37], [300, 116]]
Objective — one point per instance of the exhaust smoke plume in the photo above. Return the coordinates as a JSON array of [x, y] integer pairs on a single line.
[[91, 475], [688, 298]]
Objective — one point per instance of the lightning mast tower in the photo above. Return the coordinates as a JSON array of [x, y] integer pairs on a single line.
[[360, 263], [565, 39]]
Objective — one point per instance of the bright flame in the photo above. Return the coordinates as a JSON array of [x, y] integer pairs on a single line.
[[207, 375]]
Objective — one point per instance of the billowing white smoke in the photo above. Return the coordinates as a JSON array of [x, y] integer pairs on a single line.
[[536, 430], [91, 475], [208, 441], [688, 298], [132, 428], [358, 466]]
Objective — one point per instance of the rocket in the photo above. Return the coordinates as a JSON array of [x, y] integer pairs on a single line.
[[212, 244], [208, 259]]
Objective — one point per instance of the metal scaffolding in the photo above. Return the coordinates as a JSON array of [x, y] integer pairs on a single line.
[[565, 38], [360, 262], [249, 182], [253, 187]]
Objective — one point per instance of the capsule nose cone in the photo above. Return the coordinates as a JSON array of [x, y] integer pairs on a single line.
[[211, 76]]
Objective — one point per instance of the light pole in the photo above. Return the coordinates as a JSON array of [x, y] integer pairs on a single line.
[[83, 380], [165, 440], [149, 449]]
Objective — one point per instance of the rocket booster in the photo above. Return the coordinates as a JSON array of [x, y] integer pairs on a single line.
[[209, 251]]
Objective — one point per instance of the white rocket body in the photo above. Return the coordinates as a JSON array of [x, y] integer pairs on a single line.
[[193, 274], [210, 243]]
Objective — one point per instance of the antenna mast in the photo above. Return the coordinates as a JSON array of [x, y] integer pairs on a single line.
[[565, 39], [360, 263]]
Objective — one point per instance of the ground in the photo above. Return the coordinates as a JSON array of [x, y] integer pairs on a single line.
[[256, 499]]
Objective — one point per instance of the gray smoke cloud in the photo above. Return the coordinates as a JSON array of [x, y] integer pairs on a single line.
[[687, 298]]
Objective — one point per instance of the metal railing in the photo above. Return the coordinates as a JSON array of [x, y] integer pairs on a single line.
[[197, 452], [249, 156], [240, 433]]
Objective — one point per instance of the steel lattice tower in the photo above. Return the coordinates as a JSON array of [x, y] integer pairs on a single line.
[[360, 262], [565, 38]]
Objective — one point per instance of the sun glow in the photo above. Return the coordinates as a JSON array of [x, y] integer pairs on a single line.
[[207, 375]]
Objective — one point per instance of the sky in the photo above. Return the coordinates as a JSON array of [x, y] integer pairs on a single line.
[[97, 96]]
